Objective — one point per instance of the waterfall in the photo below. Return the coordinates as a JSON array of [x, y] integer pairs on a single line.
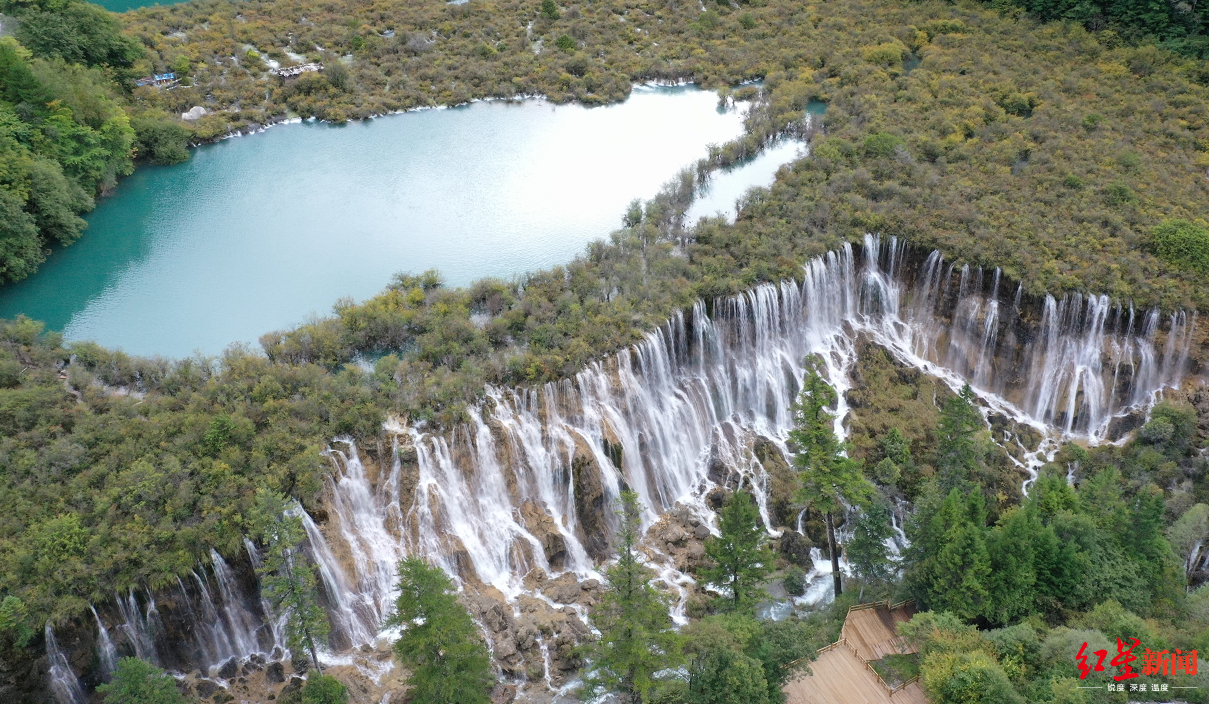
[[241, 625], [136, 628], [528, 481], [351, 623], [276, 623], [107, 653], [63, 682]]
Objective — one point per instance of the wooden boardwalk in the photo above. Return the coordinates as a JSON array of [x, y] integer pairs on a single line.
[[842, 674], [872, 629]]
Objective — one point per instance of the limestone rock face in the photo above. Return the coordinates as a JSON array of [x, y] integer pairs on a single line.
[[543, 527], [590, 502], [194, 113]]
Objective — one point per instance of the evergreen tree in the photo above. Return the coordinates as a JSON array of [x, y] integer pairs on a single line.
[[636, 636], [139, 682], [830, 479], [897, 459], [741, 557], [1012, 581], [959, 569], [440, 644], [956, 452], [287, 579], [867, 551]]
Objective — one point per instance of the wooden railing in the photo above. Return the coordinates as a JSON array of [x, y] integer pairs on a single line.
[[844, 641]]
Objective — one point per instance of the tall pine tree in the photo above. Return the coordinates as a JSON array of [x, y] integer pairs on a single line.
[[956, 451], [636, 636], [286, 577], [830, 479], [740, 555], [867, 552], [440, 644]]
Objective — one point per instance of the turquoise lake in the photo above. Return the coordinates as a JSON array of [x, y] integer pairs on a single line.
[[259, 232]]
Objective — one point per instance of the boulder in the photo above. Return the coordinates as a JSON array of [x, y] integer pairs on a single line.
[[274, 673], [542, 526], [228, 669], [194, 113], [206, 688]]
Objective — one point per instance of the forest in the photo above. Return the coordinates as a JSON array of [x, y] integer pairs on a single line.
[[68, 129]]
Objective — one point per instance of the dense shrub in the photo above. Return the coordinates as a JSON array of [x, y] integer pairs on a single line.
[[1183, 243]]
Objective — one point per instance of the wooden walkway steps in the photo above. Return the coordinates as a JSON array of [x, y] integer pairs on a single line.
[[872, 629], [842, 674]]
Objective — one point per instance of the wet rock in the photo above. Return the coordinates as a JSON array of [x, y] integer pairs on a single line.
[[701, 531], [206, 688], [796, 548], [301, 662], [495, 616], [274, 673], [505, 647], [228, 669], [564, 590], [503, 694], [526, 637], [590, 503], [294, 685], [543, 527]]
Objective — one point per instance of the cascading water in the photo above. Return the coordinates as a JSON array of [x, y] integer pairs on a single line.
[[136, 628], [528, 484], [704, 387], [63, 682], [276, 623], [241, 625], [107, 653]]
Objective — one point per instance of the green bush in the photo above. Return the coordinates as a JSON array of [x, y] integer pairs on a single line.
[[1182, 243], [794, 580], [139, 682], [323, 689], [880, 145], [549, 10], [565, 43], [161, 140]]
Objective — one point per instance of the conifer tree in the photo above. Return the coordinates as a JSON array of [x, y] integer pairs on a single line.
[[741, 557], [956, 453], [286, 577], [440, 642], [867, 552], [636, 636], [956, 566], [830, 479]]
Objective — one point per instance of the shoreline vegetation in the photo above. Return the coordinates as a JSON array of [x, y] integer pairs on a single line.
[[1071, 162]]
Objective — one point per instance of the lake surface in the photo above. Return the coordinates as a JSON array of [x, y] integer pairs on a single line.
[[257, 233]]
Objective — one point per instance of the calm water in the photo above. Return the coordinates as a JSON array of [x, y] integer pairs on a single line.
[[256, 233]]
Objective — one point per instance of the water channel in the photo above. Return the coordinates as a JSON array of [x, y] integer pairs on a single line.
[[259, 232]]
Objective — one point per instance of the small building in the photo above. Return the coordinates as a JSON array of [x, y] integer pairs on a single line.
[[158, 80], [296, 71]]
